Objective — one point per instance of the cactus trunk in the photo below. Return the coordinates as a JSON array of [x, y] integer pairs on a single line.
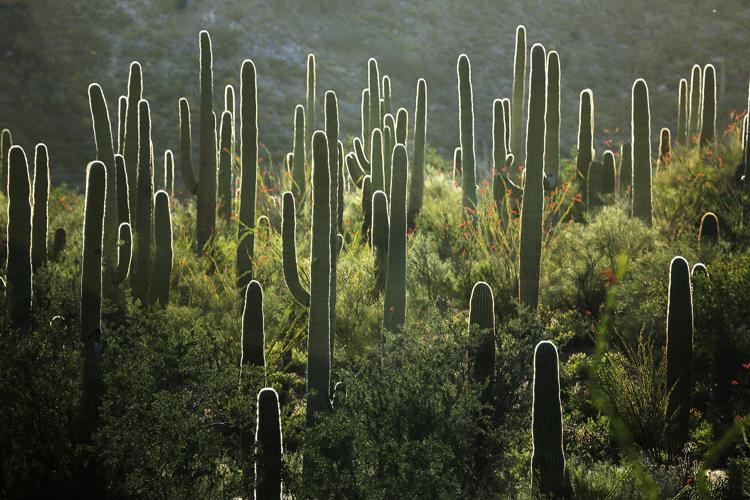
[[641, 141], [394, 302], [519, 89], [268, 447], [140, 275], [416, 182], [249, 172], [162, 268], [466, 120], [225, 167], [18, 270], [206, 205], [39, 218]]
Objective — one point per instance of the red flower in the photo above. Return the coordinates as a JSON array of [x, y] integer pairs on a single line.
[[746, 366], [734, 382], [690, 482]]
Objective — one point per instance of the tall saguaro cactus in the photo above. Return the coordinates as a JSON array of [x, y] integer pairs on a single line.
[[466, 122], [248, 172], [679, 348], [39, 218], [533, 193], [140, 275], [696, 95], [19, 236], [299, 183], [332, 137], [552, 136], [708, 107], [482, 317], [394, 302], [268, 446], [309, 100], [225, 166], [162, 268], [206, 205], [585, 134], [416, 182], [548, 458], [519, 89], [682, 113], [130, 149], [641, 141]]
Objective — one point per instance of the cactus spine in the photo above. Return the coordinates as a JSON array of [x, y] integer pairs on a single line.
[[394, 302], [416, 182], [309, 100], [206, 205], [380, 230], [552, 137], [39, 217], [585, 134], [140, 275], [694, 120], [641, 141], [708, 107], [533, 193], [268, 446], [519, 89], [130, 149], [665, 147], [682, 113], [225, 166], [249, 171], [499, 154], [162, 268], [548, 458], [679, 348], [466, 120], [298, 159], [482, 317], [19, 236], [6, 141]]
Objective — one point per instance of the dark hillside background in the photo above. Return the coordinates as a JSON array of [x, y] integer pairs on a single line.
[[50, 50]]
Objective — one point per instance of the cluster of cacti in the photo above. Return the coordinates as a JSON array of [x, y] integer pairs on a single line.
[[548, 458], [641, 144], [533, 193], [466, 122], [394, 302], [679, 350]]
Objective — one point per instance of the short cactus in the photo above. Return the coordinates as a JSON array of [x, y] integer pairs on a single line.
[[402, 126], [253, 331], [225, 167], [466, 121], [124, 254], [708, 107], [665, 147], [682, 113], [456, 163], [416, 181], [268, 447], [708, 234], [482, 317], [394, 302], [18, 270], [39, 218], [696, 95], [162, 267], [608, 186], [641, 141]]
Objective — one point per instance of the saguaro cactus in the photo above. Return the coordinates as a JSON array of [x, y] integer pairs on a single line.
[[365, 120], [309, 100], [248, 172], [499, 154], [416, 182], [679, 349], [548, 458], [130, 150], [169, 172], [366, 209], [585, 134], [682, 113], [299, 183], [206, 205], [124, 254], [466, 121], [162, 268], [377, 170], [332, 136], [708, 108], [268, 446], [696, 95], [230, 105], [402, 126], [19, 236], [141, 272], [519, 89], [533, 193], [708, 235], [552, 136], [225, 166], [665, 147], [608, 173], [289, 250], [373, 112], [122, 113], [482, 317], [123, 196], [626, 169], [380, 230], [641, 140], [253, 330], [394, 302], [39, 218], [6, 141]]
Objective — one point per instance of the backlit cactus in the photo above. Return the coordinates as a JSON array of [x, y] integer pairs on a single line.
[[253, 330], [683, 111], [248, 171], [377, 172], [533, 192], [665, 147], [39, 218], [366, 210], [6, 141], [366, 133], [130, 149], [641, 141], [18, 270], [626, 169], [206, 203], [310, 104], [143, 227], [123, 193], [679, 350], [708, 235], [394, 302], [289, 250], [332, 137], [608, 185], [482, 318], [380, 230], [225, 167], [162, 267], [499, 153], [169, 172], [594, 183], [519, 89], [708, 107], [466, 122], [298, 156], [402, 126], [122, 112], [585, 134], [386, 98], [268, 447], [373, 111], [416, 180], [548, 457], [552, 136], [124, 252], [696, 94]]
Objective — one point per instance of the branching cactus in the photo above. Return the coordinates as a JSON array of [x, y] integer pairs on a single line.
[[394, 302], [416, 181], [585, 134], [268, 447], [682, 113], [708, 107], [641, 140], [141, 272], [533, 192], [548, 458], [6, 141], [299, 183], [380, 230], [162, 268], [225, 167], [39, 218], [309, 100], [679, 350], [552, 137], [130, 149], [519, 89], [696, 96], [482, 318], [466, 121], [19, 237], [248, 172]]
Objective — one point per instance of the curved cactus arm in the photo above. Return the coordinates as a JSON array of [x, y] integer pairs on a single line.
[[356, 172], [366, 209], [123, 200], [186, 145], [124, 253], [289, 250], [364, 163]]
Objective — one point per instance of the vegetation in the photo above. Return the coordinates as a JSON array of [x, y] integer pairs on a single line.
[[492, 339]]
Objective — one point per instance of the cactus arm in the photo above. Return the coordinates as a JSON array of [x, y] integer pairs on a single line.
[[519, 89], [143, 227], [416, 181], [205, 222], [124, 253], [298, 159], [356, 172], [552, 136], [379, 230], [402, 126], [708, 107], [225, 166], [39, 217], [123, 197], [186, 145], [289, 250], [364, 163], [682, 113], [310, 101]]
